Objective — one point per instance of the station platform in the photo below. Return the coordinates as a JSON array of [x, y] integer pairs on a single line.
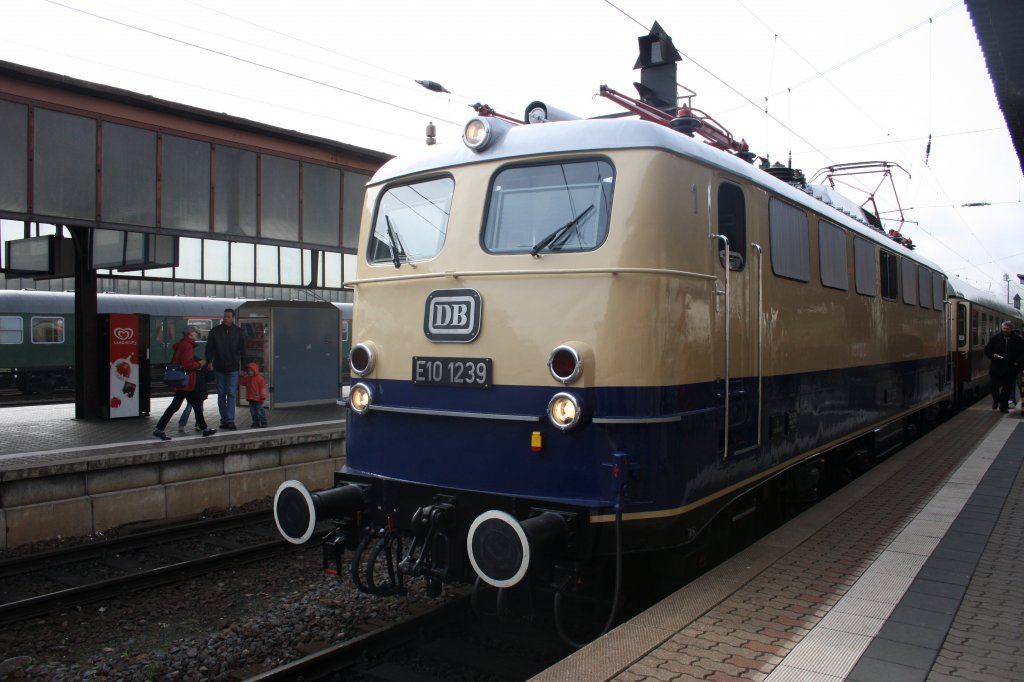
[[62, 477], [914, 571], [49, 434]]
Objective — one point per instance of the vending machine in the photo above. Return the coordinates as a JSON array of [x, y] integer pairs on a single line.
[[124, 365]]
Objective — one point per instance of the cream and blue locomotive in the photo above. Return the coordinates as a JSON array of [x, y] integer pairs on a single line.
[[583, 339]]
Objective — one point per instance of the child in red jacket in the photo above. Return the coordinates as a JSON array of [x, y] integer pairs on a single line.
[[255, 393]]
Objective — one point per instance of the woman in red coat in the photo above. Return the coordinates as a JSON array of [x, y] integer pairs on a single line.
[[184, 355]]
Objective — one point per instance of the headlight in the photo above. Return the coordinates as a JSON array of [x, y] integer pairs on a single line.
[[477, 134], [564, 411], [360, 398], [362, 359]]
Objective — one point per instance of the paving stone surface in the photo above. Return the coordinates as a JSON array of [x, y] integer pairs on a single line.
[[748, 634]]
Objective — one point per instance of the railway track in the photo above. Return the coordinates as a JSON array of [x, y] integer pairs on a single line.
[[41, 583], [445, 643]]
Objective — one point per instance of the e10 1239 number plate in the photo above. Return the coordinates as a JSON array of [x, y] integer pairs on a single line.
[[458, 372]]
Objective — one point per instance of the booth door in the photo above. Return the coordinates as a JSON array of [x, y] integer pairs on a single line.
[[306, 365]]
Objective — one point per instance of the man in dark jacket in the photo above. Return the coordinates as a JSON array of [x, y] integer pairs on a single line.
[[1006, 350], [225, 352]]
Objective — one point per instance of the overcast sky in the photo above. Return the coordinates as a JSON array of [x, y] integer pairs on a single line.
[[841, 81]]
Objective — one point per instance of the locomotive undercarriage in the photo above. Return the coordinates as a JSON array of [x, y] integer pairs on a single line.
[[405, 531]]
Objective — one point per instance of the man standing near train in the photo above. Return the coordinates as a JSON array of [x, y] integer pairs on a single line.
[[1005, 350], [225, 352]]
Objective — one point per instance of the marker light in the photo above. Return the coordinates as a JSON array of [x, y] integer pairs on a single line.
[[535, 441], [360, 397], [565, 364], [362, 359], [564, 411]]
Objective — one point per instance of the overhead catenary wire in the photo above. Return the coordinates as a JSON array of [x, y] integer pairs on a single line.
[[250, 62]]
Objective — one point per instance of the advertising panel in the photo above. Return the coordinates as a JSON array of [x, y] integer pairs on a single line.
[[124, 353]]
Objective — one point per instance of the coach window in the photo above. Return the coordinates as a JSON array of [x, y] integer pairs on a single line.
[[411, 221], [974, 327], [47, 330], [909, 282], [887, 267], [832, 256], [961, 324], [924, 287], [788, 234], [550, 207], [11, 330], [732, 224], [865, 267]]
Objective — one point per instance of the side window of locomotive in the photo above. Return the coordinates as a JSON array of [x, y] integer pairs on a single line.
[[865, 267], [411, 222], [938, 291], [47, 329], [11, 330], [549, 207], [732, 224], [790, 242], [909, 282], [924, 287], [832, 256], [887, 266]]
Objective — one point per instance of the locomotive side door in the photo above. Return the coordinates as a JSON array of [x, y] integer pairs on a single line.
[[736, 263]]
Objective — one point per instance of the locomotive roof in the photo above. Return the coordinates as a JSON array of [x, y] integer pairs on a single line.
[[599, 135]]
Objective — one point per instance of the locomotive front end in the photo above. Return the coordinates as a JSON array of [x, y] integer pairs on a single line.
[[487, 290]]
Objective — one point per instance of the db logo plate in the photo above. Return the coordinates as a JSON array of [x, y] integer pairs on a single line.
[[452, 315]]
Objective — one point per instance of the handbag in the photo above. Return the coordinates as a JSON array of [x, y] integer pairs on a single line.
[[174, 374]]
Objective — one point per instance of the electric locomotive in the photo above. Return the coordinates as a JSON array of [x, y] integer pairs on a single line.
[[581, 339]]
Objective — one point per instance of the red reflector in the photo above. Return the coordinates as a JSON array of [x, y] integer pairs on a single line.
[[563, 364], [330, 571]]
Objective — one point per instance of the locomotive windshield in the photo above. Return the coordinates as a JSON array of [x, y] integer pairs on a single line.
[[411, 222], [550, 207]]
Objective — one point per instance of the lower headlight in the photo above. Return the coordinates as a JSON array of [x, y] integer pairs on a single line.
[[360, 397], [564, 411]]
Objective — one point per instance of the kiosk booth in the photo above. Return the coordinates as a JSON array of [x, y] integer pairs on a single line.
[[297, 345]]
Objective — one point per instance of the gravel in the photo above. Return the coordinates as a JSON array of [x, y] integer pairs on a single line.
[[224, 626]]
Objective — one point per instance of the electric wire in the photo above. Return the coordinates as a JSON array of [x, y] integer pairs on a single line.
[[250, 62]]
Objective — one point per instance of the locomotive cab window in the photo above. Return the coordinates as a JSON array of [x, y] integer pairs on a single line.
[[47, 330], [11, 331], [550, 207], [411, 222], [732, 224]]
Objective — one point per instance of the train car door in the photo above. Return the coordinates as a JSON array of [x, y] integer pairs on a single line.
[[737, 266]]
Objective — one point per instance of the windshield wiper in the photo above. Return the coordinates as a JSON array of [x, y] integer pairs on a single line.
[[543, 243], [393, 242]]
